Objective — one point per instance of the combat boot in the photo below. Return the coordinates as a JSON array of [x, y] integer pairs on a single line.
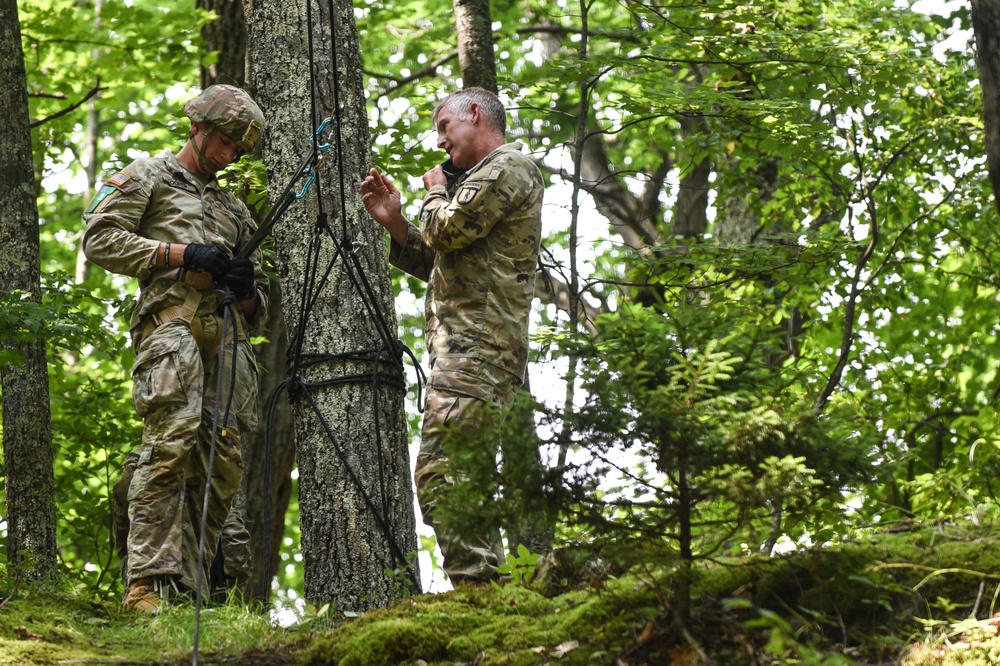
[[143, 597]]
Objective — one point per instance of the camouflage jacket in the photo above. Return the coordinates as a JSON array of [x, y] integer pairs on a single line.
[[478, 250], [155, 200]]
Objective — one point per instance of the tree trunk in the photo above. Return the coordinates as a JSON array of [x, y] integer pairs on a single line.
[[355, 490], [986, 25], [24, 381], [475, 44], [267, 465], [90, 154], [738, 222], [268, 460], [227, 36], [691, 209]]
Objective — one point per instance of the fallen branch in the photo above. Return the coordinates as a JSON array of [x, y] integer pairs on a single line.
[[17, 584]]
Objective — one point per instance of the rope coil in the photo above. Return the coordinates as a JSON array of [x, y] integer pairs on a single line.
[[386, 360]]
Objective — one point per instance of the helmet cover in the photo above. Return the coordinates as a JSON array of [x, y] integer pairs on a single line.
[[231, 110]]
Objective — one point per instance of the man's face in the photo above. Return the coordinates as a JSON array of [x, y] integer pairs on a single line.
[[219, 150], [457, 137]]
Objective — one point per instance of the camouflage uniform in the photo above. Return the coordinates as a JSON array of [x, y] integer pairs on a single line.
[[234, 543], [176, 332], [477, 250]]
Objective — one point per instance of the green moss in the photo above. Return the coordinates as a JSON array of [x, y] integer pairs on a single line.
[[981, 652], [880, 593], [724, 575], [513, 625]]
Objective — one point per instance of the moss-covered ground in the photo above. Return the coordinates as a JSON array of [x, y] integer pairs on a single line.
[[915, 598]]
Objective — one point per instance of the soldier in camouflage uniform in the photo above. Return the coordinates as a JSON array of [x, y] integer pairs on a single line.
[[167, 221], [477, 247]]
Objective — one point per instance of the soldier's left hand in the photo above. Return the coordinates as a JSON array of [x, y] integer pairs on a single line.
[[241, 279]]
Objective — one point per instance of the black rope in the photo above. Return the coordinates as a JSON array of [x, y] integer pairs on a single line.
[[368, 294], [381, 519], [227, 312], [378, 376], [390, 352]]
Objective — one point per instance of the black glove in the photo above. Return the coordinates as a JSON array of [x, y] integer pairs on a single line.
[[241, 279], [207, 259]]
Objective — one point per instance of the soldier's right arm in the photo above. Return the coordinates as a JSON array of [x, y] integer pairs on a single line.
[[111, 239], [415, 257], [407, 250]]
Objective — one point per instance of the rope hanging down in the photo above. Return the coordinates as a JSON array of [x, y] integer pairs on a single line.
[[228, 319], [386, 360], [389, 352]]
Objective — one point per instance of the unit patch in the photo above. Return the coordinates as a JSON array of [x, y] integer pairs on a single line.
[[102, 194], [468, 193]]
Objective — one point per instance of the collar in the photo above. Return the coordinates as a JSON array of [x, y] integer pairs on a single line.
[[175, 168], [507, 147]]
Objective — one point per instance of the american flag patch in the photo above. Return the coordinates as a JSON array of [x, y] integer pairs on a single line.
[[118, 179]]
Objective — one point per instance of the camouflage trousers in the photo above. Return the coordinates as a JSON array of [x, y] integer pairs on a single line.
[[466, 402], [234, 542], [174, 392]]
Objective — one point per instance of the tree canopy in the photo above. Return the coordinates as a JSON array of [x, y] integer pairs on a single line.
[[767, 303]]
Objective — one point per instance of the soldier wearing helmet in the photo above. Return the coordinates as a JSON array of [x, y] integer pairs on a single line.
[[167, 222], [232, 112]]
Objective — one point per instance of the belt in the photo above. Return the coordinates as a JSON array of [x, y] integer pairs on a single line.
[[188, 313], [196, 279]]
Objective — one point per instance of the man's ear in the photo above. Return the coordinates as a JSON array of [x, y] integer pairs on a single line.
[[475, 113]]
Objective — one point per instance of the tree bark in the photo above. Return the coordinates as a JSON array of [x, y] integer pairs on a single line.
[[27, 433], [227, 36], [266, 488], [738, 222], [90, 155], [268, 459], [986, 26], [475, 44], [355, 490]]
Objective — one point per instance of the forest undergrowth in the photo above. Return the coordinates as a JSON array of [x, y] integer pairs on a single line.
[[919, 597]]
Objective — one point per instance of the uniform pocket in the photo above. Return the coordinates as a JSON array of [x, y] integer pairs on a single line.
[[245, 391], [156, 375], [462, 376], [468, 386]]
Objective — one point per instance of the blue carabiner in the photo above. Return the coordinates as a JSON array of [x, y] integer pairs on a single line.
[[305, 188], [322, 126], [319, 148]]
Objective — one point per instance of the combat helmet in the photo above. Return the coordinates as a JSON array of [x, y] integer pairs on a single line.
[[231, 110]]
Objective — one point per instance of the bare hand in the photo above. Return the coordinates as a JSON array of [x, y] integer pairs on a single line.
[[381, 198], [435, 177], [385, 204]]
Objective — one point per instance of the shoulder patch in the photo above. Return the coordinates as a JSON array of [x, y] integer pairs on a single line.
[[102, 194], [118, 179], [468, 192]]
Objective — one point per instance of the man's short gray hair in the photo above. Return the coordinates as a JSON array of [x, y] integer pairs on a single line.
[[459, 103]]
